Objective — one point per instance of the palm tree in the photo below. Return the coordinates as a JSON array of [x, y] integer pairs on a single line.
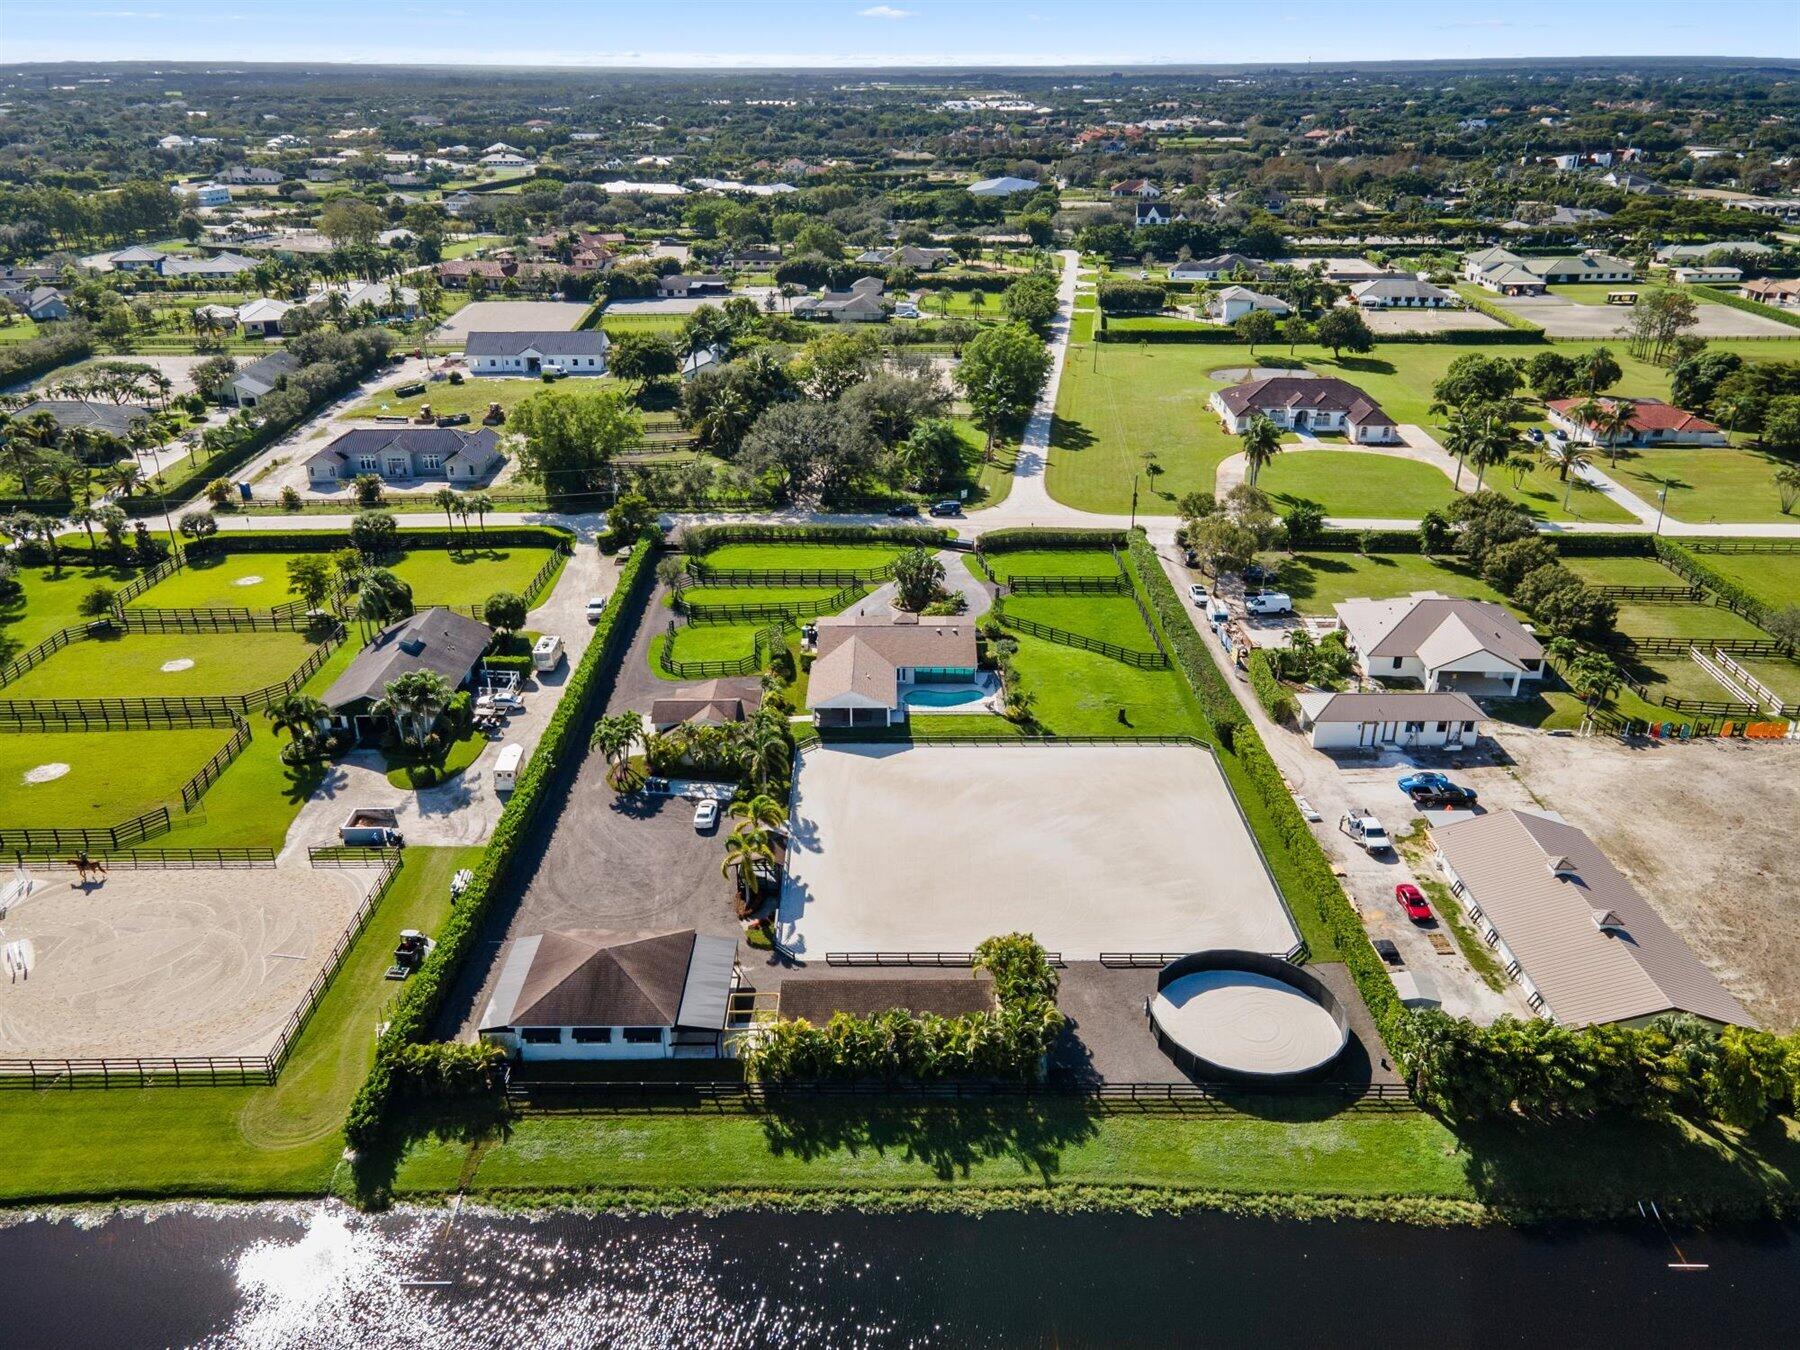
[[615, 737], [414, 701], [299, 715], [761, 812], [1262, 442], [479, 504], [447, 500], [1564, 456], [744, 849], [768, 756], [1591, 365], [84, 516], [124, 478], [1615, 423], [1496, 441]]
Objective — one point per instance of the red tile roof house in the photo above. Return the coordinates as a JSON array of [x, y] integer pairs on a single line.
[[1309, 405], [1653, 422]]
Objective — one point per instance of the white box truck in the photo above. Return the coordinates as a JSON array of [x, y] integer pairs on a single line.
[[547, 652], [506, 768]]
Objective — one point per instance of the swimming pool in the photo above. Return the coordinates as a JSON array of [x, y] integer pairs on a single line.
[[950, 697]]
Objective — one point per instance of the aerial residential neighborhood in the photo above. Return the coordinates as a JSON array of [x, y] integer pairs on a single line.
[[795, 644]]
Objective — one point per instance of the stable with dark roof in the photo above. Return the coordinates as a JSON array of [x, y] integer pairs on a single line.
[[402, 454], [435, 639], [578, 353]]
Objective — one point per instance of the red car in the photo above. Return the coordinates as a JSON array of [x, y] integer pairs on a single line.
[[1412, 902]]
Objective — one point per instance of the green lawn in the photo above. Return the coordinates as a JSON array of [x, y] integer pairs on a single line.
[[1317, 581], [1119, 400], [1105, 618], [1623, 572], [21, 329], [1671, 677], [754, 595], [1782, 676], [1542, 493], [800, 557], [51, 601], [111, 775], [468, 245], [1723, 483], [468, 576], [130, 665], [412, 771], [707, 642], [280, 1140], [1052, 562], [1354, 483], [1645, 619], [1038, 1153], [1595, 293], [1774, 578], [988, 482], [615, 324], [472, 396]]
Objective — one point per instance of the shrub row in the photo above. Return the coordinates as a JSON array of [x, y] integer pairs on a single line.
[[321, 541], [703, 538], [1460, 337], [22, 361], [1276, 701], [1518, 323], [1025, 538], [1689, 565], [1736, 301], [1010, 1042], [412, 1012], [1364, 541]]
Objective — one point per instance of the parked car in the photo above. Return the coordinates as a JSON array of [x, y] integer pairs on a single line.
[[1433, 789], [1533, 435], [1191, 558], [1365, 829], [903, 510], [1422, 781], [946, 508], [1258, 575], [1388, 952], [1269, 602], [706, 815], [1198, 594], [1413, 902], [596, 606]]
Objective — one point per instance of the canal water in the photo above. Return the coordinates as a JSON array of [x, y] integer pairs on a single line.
[[320, 1275]]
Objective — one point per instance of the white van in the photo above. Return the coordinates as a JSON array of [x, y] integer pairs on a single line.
[[1269, 602], [506, 768], [547, 652]]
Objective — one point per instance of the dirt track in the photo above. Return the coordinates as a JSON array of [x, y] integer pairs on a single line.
[[1709, 832]]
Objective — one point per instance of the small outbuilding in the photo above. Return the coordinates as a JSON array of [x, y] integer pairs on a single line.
[[1437, 721], [436, 639]]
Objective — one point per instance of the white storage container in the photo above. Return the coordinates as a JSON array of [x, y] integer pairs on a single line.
[[506, 768], [547, 652]]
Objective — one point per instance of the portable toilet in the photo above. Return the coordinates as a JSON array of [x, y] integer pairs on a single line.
[[506, 768], [547, 652]]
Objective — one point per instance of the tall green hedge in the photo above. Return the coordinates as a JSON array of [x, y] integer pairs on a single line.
[[1276, 701], [1692, 566], [411, 1014], [702, 538], [1026, 538], [1735, 301], [1517, 323], [323, 541]]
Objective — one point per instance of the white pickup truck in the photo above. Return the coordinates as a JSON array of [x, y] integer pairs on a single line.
[[1362, 826]]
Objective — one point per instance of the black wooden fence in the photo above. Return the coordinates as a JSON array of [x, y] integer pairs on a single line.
[[768, 641], [1156, 660]]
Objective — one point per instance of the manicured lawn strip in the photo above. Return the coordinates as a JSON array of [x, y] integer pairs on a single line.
[[1351, 483], [1774, 578], [1624, 571], [1595, 292], [1542, 493], [1684, 621], [1105, 618], [753, 595], [415, 773], [1317, 581], [113, 775], [800, 557], [1052, 562], [468, 576], [224, 581], [472, 396], [1079, 693], [280, 1140], [1674, 677], [1720, 483], [1062, 1152], [1781, 676], [130, 665], [988, 482]]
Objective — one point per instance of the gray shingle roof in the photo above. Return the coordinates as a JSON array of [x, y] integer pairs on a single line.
[[115, 419], [592, 342], [1398, 707], [433, 639], [1316, 395], [583, 977]]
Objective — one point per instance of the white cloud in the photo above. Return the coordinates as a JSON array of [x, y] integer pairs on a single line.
[[886, 12]]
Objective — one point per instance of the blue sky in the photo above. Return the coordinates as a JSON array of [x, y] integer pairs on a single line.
[[780, 33]]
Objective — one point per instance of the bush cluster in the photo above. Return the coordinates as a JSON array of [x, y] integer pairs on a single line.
[[1024, 538], [1009, 1043], [22, 361], [698, 539], [1132, 297], [413, 1011], [1270, 692]]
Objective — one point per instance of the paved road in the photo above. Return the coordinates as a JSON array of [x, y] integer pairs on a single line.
[[1029, 493]]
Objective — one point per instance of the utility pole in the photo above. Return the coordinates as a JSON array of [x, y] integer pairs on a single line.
[[1662, 502], [1134, 490]]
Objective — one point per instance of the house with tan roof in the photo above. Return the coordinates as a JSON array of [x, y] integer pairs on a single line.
[[1306, 404], [1584, 946], [1445, 720], [1443, 643], [713, 703], [1653, 422], [864, 667]]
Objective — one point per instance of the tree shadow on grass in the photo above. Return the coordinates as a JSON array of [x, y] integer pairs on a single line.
[[1605, 1167], [950, 1138], [476, 1124], [1066, 434]]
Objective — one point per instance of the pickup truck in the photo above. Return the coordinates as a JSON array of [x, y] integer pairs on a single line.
[[1365, 829]]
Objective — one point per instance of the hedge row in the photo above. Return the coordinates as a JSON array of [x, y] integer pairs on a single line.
[[1460, 337], [411, 1014], [1024, 538], [1408, 541], [1689, 565], [1604, 545], [1270, 692], [1735, 301], [22, 361], [703, 538], [1518, 323], [320, 541]]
